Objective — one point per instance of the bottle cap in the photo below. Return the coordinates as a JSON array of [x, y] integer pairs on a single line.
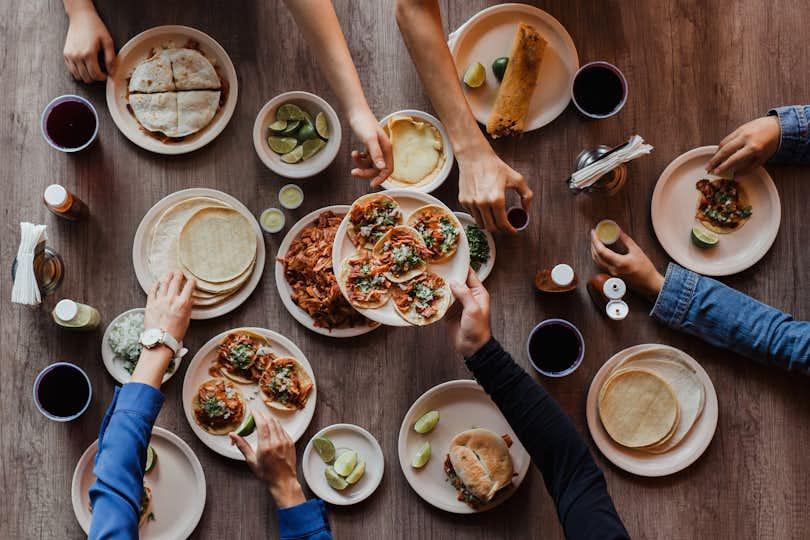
[[562, 275], [55, 195], [617, 310], [66, 310], [614, 288]]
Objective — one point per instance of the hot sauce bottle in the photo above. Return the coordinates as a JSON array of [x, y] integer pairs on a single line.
[[64, 204]]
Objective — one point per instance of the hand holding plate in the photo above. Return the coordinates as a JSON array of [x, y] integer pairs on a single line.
[[473, 331]]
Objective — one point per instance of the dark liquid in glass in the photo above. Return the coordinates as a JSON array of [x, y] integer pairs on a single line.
[[70, 124], [517, 217], [63, 391], [554, 348], [598, 90]]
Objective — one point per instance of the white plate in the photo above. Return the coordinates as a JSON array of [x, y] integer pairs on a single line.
[[345, 437], [489, 35], [114, 365], [673, 207], [134, 52], [294, 422], [485, 269], [285, 292], [140, 249], [449, 157], [177, 471], [462, 405], [643, 463], [409, 200]]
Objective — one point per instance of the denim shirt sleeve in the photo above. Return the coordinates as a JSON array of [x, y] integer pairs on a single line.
[[794, 145], [115, 496], [306, 521], [727, 318]]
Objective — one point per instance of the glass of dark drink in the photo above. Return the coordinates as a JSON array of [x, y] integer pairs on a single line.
[[69, 123], [599, 90], [555, 348], [518, 218], [62, 392]]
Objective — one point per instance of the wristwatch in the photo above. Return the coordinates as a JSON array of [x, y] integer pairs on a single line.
[[153, 337]]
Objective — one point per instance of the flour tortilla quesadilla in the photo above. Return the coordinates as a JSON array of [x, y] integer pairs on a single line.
[[193, 71], [156, 112], [195, 110], [153, 75]]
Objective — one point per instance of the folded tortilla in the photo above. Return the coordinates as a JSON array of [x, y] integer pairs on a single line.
[[193, 71], [153, 75], [156, 112], [195, 110]]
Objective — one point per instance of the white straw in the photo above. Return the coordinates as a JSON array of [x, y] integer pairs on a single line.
[[587, 176], [26, 288]]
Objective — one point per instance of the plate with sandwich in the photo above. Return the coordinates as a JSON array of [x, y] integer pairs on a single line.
[[526, 62], [457, 450]]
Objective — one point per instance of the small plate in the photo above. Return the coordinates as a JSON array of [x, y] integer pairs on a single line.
[[294, 422], [283, 286], [485, 269], [643, 463], [114, 365], [140, 249], [462, 405], [674, 203], [176, 471], [136, 50], [489, 35], [453, 269], [449, 157], [345, 437]]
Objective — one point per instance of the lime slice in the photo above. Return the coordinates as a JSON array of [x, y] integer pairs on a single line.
[[306, 132], [704, 239], [293, 156], [312, 147], [325, 448], [427, 422], [290, 111], [499, 67], [357, 473], [292, 127], [278, 125], [475, 75], [246, 427], [151, 457], [421, 457], [345, 462], [322, 125], [281, 145], [334, 480]]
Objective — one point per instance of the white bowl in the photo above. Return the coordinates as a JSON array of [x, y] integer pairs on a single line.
[[449, 157], [303, 169]]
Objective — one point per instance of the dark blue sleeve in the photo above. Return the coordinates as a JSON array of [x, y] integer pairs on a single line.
[[306, 521], [794, 143], [119, 464]]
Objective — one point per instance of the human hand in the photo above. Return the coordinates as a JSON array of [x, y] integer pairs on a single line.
[[482, 185], [86, 37], [634, 267], [472, 331], [747, 147], [376, 163], [273, 462], [168, 305]]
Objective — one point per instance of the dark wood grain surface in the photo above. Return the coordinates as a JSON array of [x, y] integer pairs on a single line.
[[696, 70]]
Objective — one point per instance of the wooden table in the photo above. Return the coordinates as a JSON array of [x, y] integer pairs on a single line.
[[695, 73]]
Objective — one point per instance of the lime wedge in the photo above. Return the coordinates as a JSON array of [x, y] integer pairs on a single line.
[[281, 145], [312, 147], [475, 75], [151, 457], [345, 462], [704, 239], [306, 132], [294, 156], [290, 111], [334, 480], [427, 422], [246, 427], [499, 67], [292, 127], [421, 457], [325, 448], [357, 473], [322, 125], [278, 125]]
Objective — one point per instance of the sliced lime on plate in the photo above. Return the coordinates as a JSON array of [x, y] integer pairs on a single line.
[[292, 127], [290, 111], [475, 75], [281, 145], [246, 427], [322, 125], [151, 458], [345, 462], [421, 456], [325, 448], [357, 473], [426, 422], [704, 239], [334, 480], [499, 67], [278, 125], [312, 147], [294, 156]]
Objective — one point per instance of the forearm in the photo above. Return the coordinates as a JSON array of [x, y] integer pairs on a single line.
[[730, 319], [152, 365], [304, 521], [571, 476], [794, 143], [75, 6]]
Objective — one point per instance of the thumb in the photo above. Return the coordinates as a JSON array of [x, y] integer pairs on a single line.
[[463, 295], [243, 447], [109, 55]]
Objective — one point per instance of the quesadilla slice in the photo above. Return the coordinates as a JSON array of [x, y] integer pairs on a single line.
[[218, 406], [153, 75], [439, 230], [193, 71], [363, 280], [156, 112], [285, 384], [422, 300], [195, 110]]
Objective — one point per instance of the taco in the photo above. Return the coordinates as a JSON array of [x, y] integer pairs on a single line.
[[370, 217], [285, 384], [403, 254], [218, 406], [439, 230], [422, 300], [722, 205], [236, 355], [146, 505], [363, 280]]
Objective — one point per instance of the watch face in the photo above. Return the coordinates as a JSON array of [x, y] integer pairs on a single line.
[[151, 337]]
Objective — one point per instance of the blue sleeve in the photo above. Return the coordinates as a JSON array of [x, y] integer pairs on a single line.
[[794, 145], [119, 465], [304, 521], [727, 318]]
